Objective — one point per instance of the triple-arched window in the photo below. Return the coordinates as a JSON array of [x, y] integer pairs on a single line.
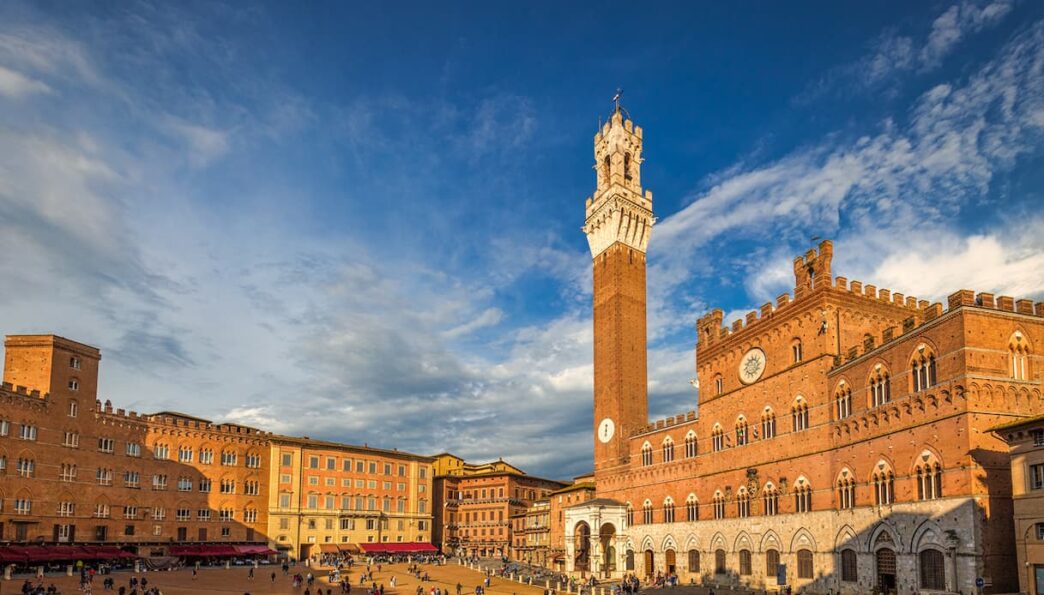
[[928, 473], [668, 510], [647, 454], [692, 508], [717, 438], [843, 400], [741, 431], [768, 423], [770, 499], [923, 368], [1018, 348], [719, 505], [690, 445], [883, 480], [880, 384], [799, 413], [647, 512], [846, 486], [668, 449], [743, 503], [802, 495]]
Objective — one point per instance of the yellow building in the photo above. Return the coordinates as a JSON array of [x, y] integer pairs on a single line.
[[325, 497], [1025, 440]]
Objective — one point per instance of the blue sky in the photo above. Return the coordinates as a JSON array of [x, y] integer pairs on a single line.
[[361, 221]]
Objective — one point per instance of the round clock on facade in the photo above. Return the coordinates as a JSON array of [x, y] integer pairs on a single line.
[[752, 365], [605, 430]]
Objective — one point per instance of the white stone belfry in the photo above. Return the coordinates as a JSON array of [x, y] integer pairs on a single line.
[[619, 211]]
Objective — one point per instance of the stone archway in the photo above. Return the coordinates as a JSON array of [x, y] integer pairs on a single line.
[[606, 539], [582, 547]]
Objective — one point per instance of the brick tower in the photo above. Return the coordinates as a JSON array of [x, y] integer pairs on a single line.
[[619, 221]]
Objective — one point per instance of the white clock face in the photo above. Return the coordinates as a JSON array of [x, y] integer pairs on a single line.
[[752, 366], [605, 430]]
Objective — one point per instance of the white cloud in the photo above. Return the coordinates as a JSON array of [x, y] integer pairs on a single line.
[[205, 145], [893, 53], [957, 137], [957, 22], [934, 266], [488, 317], [16, 85]]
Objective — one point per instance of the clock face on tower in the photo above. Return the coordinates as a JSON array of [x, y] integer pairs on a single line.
[[752, 366], [605, 430]]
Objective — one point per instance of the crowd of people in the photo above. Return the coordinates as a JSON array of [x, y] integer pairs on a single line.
[[343, 570]]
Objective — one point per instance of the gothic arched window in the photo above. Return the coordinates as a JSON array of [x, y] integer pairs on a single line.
[[843, 400], [668, 510], [883, 480], [845, 490], [923, 369], [717, 438], [768, 424], [692, 508], [880, 386], [690, 445], [1019, 350], [928, 473], [799, 412], [668, 450]]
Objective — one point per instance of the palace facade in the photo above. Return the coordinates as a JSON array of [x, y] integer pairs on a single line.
[[327, 497], [75, 471], [842, 441], [475, 505]]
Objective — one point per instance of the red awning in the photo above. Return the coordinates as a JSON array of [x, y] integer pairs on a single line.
[[108, 552], [10, 556], [255, 549], [37, 553], [219, 550], [69, 552], [185, 550], [397, 548]]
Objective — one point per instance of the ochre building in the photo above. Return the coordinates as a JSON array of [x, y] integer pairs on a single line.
[[327, 497], [842, 441], [476, 502], [1025, 439]]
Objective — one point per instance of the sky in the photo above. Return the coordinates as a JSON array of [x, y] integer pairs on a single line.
[[361, 221]]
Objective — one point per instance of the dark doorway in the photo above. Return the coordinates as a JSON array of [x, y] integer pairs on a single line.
[[886, 570]]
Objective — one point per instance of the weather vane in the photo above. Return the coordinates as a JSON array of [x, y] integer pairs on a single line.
[[616, 98]]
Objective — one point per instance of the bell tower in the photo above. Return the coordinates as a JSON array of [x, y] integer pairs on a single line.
[[619, 221]]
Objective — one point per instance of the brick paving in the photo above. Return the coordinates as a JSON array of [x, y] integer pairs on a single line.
[[234, 580]]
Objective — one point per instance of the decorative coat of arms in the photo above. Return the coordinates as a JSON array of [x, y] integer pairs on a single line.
[[752, 482]]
